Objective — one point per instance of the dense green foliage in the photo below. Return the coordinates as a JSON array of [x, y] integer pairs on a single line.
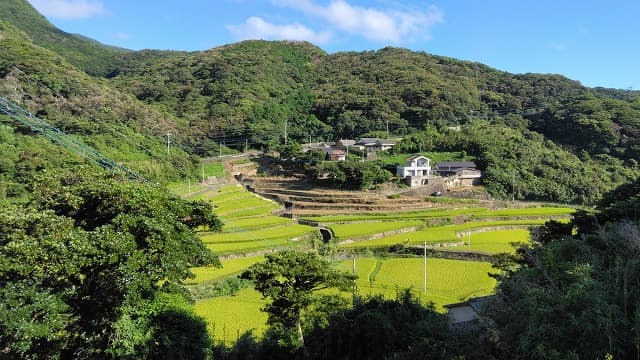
[[116, 124], [289, 279], [561, 141], [523, 164], [93, 264], [350, 174], [574, 295], [86, 54]]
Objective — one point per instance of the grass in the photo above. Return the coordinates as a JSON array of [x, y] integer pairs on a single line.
[[448, 281], [253, 246], [230, 316], [493, 242], [278, 232], [438, 234], [533, 211], [345, 231], [474, 212], [229, 267], [424, 214], [254, 223]]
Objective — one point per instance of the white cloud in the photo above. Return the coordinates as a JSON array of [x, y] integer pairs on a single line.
[[69, 9], [257, 28], [385, 25]]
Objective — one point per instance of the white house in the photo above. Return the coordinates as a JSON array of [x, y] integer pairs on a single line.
[[417, 165]]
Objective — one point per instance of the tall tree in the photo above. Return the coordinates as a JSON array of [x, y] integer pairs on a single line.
[[289, 279]]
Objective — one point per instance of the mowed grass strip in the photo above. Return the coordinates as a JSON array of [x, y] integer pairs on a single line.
[[228, 316], [345, 231], [229, 267], [492, 242]]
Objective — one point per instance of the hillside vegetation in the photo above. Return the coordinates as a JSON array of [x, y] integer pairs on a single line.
[[535, 136], [87, 54]]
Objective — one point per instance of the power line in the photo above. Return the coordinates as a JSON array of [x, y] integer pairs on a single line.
[[68, 142]]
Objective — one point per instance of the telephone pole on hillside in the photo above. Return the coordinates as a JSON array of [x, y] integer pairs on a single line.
[[168, 135]]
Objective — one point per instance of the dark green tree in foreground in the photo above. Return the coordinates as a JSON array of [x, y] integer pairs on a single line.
[[91, 268], [289, 279], [575, 295]]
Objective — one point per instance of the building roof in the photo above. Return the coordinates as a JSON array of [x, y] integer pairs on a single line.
[[416, 157], [365, 141], [387, 141], [456, 165], [338, 152], [347, 142]]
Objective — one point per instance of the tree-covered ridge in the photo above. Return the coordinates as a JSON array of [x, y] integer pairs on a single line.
[[259, 93], [115, 123], [87, 54], [243, 90]]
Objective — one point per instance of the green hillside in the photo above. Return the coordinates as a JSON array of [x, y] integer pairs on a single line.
[[557, 139], [87, 54], [115, 123]]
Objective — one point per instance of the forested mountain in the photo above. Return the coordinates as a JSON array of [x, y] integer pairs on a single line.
[[87, 54], [254, 92], [116, 123]]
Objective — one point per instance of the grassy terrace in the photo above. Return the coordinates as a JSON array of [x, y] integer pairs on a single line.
[[249, 224], [251, 227], [229, 267], [345, 231], [438, 234], [448, 281], [493, 242], [478, 213]]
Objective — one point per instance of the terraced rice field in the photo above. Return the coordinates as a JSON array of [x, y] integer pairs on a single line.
[[250, 227], [230, 267], [448, 281], [230, 316], [438, 234], [249, 223], [492, 242], [346, 231]]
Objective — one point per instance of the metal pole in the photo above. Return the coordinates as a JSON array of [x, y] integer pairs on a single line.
[[425, 267], [168, 135]]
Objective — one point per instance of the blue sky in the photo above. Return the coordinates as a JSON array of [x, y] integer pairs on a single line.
[[594, 42]]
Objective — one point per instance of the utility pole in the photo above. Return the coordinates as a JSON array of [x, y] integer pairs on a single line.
[[168, 135], [220, 151], [513, 185], [387, 127], [285, 131], [246, 145], [202, 174], [425, 267]]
